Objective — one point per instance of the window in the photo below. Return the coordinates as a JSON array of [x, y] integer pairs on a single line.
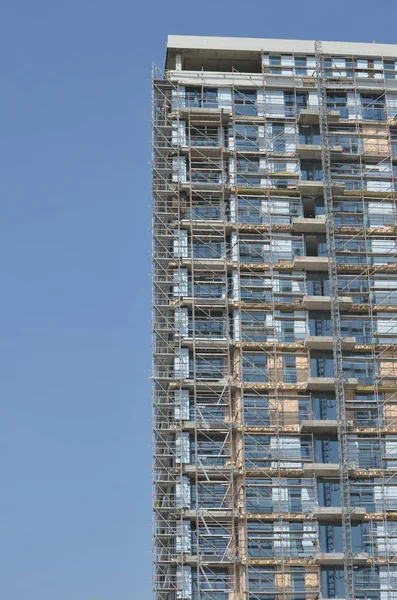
[[362, 494], [257, 451], [209, 495], [255, 367], [245, 103], [211, 541], [247, 138], [258, 496], [210, 452], [311, 170], [260, 539], [210, 584], [261, 583], [275, 61], [205, 135], [197, 97], [202, 249], [320, 324], [278, 137], [361, 369], [207, 408], [207, 209], [338, 101], [309, 134], [358, 328], [326, 450], [298, 579], [389, 69], [294, 101], [253, 326], [208, 367], [256, 410], [289, 361], [329, 492], [317, 285], [322, 364], [247, 165], [373, 107], [300, 65]]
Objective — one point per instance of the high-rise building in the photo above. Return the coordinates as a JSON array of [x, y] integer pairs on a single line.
[[275, 320]]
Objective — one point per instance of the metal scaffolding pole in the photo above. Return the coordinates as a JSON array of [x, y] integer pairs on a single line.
[[336, 332]]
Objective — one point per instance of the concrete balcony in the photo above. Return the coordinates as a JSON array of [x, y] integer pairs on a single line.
[[304, 225], [309, 151], [211, 470], [321, 426], [321, 469], [311, 116], [336, 149], [202, 113], [311, 188], [324, 302], [337, 558], [204, 342], [311, 263], [208, 559], [326, 342], [203, 426], [213, 513], [327, 384], [332, 513], [316, 188]]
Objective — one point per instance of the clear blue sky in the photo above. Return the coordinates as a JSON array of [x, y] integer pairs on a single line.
[[75, 457]]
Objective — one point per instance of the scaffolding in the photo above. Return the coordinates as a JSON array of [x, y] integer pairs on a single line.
[[274, 335]]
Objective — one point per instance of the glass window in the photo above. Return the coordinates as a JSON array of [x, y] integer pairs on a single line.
[[338, 101], [258, 496], [209, 249], [209, 495], [247, 138], [247, 165], [289, 361], [211, 452], [211, 541], [320, 324], [260, 539], [373, 107], [311, 170], [255, 367], [210, 584], [197, 97], [361, 369], [256, 410], [209, 367], [261, 583], [322, 364], [245, 103], [204, 135], [257, 450], [309, 134]]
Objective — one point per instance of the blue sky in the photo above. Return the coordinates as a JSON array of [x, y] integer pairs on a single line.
[[75, 457]]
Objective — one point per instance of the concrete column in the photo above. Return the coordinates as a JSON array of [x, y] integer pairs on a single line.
[[178, 62]]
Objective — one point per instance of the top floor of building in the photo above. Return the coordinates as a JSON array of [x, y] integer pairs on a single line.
[[189, 56]]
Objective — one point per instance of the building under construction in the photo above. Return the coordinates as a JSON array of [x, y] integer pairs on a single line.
[[275, 320]]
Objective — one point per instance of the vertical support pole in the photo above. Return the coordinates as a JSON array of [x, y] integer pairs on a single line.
[[336, 334]]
